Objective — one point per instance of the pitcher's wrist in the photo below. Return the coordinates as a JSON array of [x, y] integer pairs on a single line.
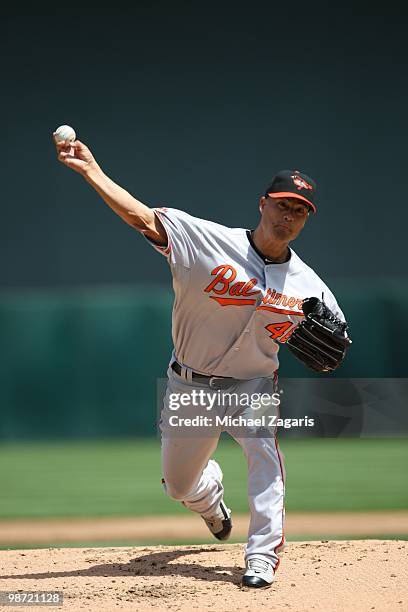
[[92, 174]]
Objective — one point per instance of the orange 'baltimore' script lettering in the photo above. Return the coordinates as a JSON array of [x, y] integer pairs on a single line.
[[272, 299], [223, 284], [277, 299]]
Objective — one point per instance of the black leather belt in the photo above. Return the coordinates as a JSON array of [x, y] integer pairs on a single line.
[[212, 381]]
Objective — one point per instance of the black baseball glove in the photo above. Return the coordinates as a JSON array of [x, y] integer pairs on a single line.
[[321, 340]]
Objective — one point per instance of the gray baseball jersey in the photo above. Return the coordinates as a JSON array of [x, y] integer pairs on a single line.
[[232, 307]]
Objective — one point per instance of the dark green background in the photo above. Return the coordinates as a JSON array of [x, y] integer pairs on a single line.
[[193, 106]]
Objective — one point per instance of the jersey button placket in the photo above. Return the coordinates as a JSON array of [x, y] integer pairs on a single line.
[[246, 330]]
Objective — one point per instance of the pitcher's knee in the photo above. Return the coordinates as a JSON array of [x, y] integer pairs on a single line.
[[176, 490]]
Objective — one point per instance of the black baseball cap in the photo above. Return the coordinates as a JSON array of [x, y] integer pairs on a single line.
[[293, 184]]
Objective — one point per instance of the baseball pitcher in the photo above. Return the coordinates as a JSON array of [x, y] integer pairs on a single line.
[[239, 295]]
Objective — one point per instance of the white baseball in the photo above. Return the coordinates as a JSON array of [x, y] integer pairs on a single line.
[[64, 133]]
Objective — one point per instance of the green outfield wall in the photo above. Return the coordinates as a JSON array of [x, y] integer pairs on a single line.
[[85, 363]]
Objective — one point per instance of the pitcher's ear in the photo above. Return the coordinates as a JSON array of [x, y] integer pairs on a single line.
[[262, 202]]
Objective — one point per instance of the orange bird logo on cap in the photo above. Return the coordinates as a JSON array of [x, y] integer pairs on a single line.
[[300, 183]]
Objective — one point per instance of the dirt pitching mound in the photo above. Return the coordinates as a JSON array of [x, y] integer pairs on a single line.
[[326, 575]]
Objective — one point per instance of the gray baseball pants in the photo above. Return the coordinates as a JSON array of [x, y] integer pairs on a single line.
[[186, 450]]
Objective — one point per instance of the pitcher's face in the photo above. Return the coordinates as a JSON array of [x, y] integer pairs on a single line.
[[283, 218]]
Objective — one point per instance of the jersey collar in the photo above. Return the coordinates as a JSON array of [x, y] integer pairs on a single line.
[[265, 260]]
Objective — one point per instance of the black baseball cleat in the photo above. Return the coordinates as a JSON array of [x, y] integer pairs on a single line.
[[258, 575], [220, 523]]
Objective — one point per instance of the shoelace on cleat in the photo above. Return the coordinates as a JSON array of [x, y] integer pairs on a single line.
[[258, 565], [218, 517]]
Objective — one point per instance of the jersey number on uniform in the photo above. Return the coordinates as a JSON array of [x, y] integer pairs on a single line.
[[280, 331]]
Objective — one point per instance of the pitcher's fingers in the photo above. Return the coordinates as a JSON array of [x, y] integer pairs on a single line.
[[80, 146], [62, 146], [62, 155]]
